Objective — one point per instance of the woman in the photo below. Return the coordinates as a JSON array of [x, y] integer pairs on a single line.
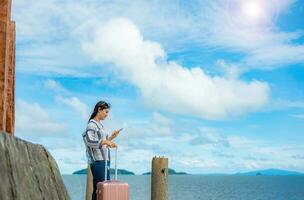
[[98, 143]]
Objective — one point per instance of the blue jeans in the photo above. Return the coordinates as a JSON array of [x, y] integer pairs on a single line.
[[98, 172]]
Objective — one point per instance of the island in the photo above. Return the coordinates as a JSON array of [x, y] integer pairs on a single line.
[[270, 172], [170, 172], [112, 171]]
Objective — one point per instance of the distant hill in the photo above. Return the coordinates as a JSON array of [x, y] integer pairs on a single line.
[[170, 171], [112, 171], [265, 172], [270, 172]]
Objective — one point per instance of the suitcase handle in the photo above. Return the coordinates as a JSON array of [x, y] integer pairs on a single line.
[[106, 164]]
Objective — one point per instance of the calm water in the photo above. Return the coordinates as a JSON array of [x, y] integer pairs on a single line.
[[206, 187]]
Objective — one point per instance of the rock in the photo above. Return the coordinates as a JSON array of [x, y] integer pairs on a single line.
[[28, 171]]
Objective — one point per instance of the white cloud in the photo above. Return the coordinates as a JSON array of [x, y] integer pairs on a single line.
[[72, 102], [199, 163], [276, 55], [211, 24], [210, 137], [75, 104], [55, 86], [241, 155], [241, 142], [214, 151], [52, 27], [70, 158], [32, 119], [262, 43], [161, 119], [298, 116], [294, 104], [167, 85], [231, 29], [281, 104]]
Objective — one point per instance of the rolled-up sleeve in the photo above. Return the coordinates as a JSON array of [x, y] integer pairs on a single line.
[[91, 137]]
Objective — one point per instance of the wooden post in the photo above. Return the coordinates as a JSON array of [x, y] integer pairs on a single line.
[[10, 82], [7, 67], [89, 189], [159, 178], [5, 9]]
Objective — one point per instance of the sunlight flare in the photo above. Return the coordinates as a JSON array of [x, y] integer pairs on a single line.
[[253, 10]]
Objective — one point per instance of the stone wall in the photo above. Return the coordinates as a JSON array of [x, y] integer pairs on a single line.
[[28, 172], [7, 67]]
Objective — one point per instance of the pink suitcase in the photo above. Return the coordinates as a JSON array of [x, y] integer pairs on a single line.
[[112, 189]]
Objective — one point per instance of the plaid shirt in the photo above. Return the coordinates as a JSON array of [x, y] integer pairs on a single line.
[[92, 137]]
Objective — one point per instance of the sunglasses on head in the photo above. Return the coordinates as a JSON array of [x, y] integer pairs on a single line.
[[105, 104]]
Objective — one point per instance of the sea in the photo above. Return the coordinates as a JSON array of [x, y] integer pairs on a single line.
[[205, 187]]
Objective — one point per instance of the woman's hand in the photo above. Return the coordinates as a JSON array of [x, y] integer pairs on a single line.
[[115, 134], [109, 143]]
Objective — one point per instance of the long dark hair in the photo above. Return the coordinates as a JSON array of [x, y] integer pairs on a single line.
[[102, 105]]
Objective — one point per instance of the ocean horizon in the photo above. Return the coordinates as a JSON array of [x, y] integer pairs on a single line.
[[205, 187]]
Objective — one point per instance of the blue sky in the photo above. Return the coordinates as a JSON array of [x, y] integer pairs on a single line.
[[215, 86]]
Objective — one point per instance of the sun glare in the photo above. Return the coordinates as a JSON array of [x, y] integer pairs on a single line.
[[252, 9]]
